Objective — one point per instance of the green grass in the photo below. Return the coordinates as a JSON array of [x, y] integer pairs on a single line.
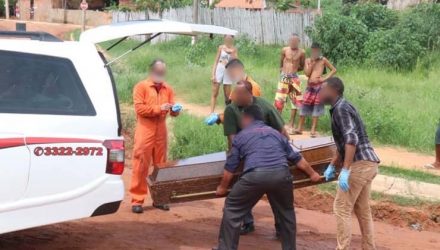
[[398, 108], [329, 187], [408, 174], [74, 34], [403, 201], [191, 137]]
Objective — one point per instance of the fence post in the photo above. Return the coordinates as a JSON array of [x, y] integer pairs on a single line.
[[7, 9], [195, 17]]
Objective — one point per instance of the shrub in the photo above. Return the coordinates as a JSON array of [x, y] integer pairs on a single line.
[[375, 16], [396, 48], [195, 55], [424, 22], [246, 46], [2, 7], [342, 38]]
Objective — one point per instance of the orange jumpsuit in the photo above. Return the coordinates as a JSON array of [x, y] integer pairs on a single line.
[[150, 139]]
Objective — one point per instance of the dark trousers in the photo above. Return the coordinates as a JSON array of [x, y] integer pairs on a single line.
[[249, 219], [277, 185]]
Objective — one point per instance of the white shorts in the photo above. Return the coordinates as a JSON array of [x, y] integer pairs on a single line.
[[221, 75]]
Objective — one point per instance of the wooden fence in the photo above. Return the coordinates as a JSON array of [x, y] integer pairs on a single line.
[[264, 27]]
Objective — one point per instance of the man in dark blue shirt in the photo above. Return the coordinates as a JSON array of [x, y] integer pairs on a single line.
[[266, 155]]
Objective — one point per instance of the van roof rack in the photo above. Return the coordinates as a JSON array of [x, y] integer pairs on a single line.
[[32, 35]]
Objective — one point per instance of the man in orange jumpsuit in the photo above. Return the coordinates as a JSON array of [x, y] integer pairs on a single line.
[[153, 100]]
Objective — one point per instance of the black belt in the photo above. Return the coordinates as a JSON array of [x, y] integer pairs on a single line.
[[267, 169]]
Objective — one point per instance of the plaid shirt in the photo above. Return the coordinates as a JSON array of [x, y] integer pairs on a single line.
[[348, 128]]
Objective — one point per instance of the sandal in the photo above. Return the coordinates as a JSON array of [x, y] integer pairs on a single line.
[[291, 131], [431, 166]]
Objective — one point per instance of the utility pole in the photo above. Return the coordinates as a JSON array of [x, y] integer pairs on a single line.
[[196, 4], [7, 9], [84, 6]]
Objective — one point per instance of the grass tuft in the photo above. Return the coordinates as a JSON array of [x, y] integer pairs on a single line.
[[330, 188], [191, 137], [409, 174]]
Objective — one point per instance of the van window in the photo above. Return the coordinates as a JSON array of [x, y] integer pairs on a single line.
[[36, 84]]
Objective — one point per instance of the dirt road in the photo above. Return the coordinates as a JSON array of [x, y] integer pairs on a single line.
[[57, 29], [195, 225]]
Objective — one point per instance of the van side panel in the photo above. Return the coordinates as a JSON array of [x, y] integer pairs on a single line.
[[66, 175]]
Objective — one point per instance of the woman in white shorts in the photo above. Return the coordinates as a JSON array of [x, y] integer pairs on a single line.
[[225, 53]]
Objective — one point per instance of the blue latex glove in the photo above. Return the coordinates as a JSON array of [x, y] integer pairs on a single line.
[[343, 179], [176, 107], [211, 119], [329, 173]]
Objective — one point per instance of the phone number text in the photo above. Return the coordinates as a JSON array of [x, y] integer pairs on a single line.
[[68, 151]]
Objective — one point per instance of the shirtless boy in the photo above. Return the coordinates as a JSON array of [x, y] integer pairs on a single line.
[[314, 70], [292, 60]]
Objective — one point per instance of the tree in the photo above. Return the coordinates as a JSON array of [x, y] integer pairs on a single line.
[[159, 6], [282, 5]]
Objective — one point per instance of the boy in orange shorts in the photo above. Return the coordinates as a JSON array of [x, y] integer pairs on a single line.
[[289, 86]]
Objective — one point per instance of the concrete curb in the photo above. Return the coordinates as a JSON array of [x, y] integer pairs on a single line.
[[399, 186]]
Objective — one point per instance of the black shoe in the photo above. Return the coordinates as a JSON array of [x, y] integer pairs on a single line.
[[247, 228], [137, 209], [163, 207]]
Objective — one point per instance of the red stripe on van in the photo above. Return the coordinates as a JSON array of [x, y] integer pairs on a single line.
[[11, 142], [18, 142], [50, 140]]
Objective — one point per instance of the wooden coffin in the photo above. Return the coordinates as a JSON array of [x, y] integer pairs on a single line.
[[197, 178]]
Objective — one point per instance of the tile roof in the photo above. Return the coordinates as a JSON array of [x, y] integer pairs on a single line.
[[244, 4]]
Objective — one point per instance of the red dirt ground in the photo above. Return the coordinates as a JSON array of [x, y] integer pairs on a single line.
[[194, 225], [427, 217]]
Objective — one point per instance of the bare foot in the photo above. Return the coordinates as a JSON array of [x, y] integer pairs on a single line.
[[298, 132], [435, 165], [290, 130], [313, 134]]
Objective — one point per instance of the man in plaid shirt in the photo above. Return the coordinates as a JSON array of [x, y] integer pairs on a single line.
[[359, 166]]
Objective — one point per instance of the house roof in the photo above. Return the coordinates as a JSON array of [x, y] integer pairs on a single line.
[[244, 4]]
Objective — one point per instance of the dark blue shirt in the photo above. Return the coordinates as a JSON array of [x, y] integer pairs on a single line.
[[260, 146]]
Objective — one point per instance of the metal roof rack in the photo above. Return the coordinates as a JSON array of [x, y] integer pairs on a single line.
[[40, 36]]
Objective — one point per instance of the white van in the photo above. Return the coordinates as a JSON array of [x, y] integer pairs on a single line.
[[61, 149]]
